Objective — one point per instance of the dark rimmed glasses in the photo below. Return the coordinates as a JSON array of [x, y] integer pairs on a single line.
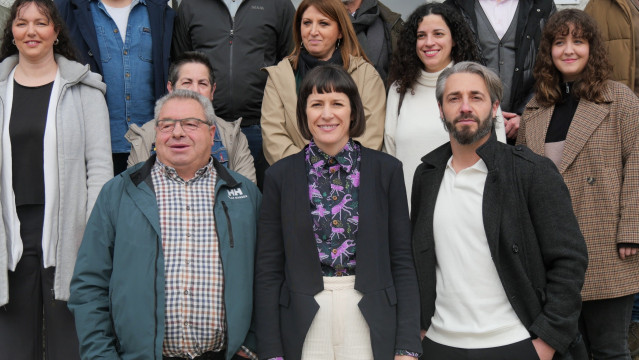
[[188, 124]]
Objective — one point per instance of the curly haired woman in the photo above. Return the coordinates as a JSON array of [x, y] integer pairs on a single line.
[[588, 126], [434, 38]]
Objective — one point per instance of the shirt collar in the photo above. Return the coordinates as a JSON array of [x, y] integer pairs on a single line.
[[344, 158], [480, 166], [172, 174]]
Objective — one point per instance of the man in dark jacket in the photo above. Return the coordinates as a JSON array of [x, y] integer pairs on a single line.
[[240, 38], [377, 28], [508, 34], [165, 269], [128, 43], [498, 251]]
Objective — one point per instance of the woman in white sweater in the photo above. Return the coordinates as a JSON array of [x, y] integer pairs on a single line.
[[435, 37]]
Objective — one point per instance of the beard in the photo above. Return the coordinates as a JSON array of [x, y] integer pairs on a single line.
[[465, 135]]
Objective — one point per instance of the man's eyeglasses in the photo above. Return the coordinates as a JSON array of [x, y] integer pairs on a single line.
[[188, 124]]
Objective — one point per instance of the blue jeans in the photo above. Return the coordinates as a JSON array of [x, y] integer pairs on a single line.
[[635, 309], [254, 136]]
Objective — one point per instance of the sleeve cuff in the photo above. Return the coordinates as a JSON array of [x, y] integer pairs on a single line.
[[407, 353], [248, 352]]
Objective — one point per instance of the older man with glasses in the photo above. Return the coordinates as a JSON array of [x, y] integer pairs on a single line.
[[165, 270]]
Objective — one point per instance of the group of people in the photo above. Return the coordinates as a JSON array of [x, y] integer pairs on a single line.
[[321, 183]]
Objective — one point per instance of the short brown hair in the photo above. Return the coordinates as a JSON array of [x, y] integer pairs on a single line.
[[334, 10], [326, 79], [594, 76]]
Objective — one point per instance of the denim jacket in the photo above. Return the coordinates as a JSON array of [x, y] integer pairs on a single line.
[[127, 69], [81, 19]]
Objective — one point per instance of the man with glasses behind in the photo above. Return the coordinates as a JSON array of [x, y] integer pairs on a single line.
[[165, 269]]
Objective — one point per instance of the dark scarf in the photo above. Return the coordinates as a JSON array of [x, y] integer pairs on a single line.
[[308, 62], [373, 35]]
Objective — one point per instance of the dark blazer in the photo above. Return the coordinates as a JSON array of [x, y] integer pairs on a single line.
[[532, 233], [288, 272], [77, 15]]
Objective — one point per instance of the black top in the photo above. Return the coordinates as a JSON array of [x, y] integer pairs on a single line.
[[562, 115], [26, 130]]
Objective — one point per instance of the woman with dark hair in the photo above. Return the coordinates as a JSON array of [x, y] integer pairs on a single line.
[[334, 240], [588, 125], [55, 152], [434, 38], [323, 34]]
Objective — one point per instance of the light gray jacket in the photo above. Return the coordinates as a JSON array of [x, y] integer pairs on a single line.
[[240, 159], [84, 163]]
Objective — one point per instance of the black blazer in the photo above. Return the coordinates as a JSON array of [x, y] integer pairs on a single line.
[[532, 233], [288, 272]]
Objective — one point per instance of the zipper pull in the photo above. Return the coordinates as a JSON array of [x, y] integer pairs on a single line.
[[567, 88]]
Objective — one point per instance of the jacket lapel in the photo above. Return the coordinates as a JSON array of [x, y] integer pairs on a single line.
[[537, 122], [84, 18], [586, 120], [423, 212], [283, 77], [369, 213], [491, 201], [144, 199], [308, 258], [431, 182]]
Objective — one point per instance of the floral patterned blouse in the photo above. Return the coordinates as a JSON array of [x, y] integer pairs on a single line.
[[333, 189]]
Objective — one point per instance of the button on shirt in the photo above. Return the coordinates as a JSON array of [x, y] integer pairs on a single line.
[[127, 68], [333, 189], [195, 320]]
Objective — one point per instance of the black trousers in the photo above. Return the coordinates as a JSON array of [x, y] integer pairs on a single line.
[[31, 303], [522, 350], [604, 327]]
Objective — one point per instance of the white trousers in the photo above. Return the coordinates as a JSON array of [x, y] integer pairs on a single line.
[[338, 331]]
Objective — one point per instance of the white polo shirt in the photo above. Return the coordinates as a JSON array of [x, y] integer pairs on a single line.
[[471, 310]]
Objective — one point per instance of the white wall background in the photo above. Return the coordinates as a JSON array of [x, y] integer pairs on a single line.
[[405, 7]]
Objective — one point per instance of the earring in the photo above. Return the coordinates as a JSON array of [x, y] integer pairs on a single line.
[[301, 45], [56, 42], [338, 43], [13, 41]]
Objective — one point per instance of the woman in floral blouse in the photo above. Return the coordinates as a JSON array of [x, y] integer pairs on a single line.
[[334, 273]]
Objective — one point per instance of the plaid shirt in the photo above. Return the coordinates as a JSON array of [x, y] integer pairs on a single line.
[[195, 320]]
